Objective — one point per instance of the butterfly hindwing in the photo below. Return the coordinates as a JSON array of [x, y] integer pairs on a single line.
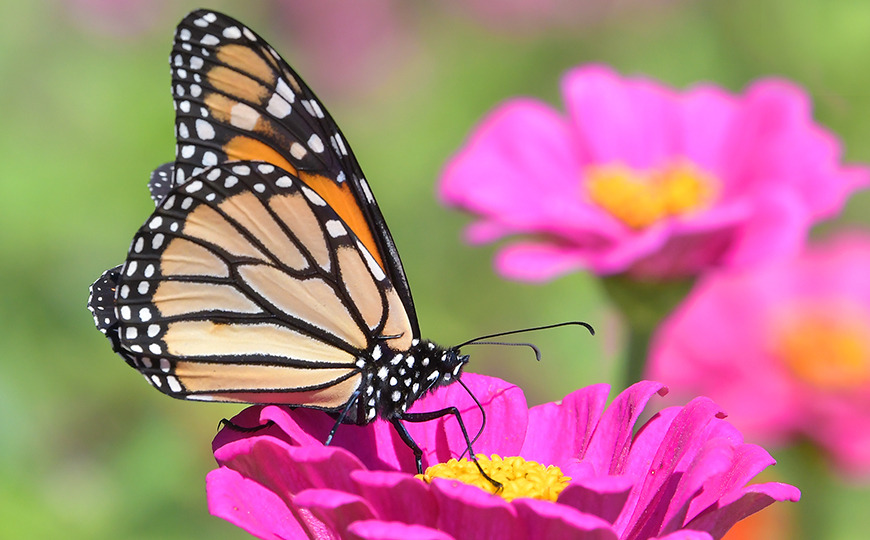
[[160, 182], [237, 99], [244, 285]]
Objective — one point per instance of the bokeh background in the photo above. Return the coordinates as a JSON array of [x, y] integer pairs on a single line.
[[87, 450]]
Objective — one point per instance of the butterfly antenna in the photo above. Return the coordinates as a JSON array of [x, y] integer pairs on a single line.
[[533, 329], [530, 345]]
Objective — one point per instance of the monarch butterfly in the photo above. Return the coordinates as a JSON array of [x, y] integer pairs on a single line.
[[266, 273]]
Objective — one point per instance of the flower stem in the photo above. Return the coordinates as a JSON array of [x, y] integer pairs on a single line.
[[644, 304]]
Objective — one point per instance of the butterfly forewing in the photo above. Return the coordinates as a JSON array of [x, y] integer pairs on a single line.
[[237, 99], [244, 285]]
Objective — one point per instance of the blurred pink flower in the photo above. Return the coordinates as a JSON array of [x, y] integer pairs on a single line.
[[785, 349], [682, 475], [532, 15], [122, 19], [643, 179], [348, 45]]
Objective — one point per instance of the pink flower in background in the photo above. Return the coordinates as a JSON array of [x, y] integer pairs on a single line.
[[643, 179], [347, 46], [682, 476], [533, 15], [785, 349], [122, 19]]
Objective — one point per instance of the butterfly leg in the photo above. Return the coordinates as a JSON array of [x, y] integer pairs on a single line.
[[341, 417], [433, 415]]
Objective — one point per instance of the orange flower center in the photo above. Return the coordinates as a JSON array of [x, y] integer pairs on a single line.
[[829, 352], [519, 477], [641, 198]]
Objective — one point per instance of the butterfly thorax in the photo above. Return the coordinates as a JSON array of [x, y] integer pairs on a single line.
[[394, 379]]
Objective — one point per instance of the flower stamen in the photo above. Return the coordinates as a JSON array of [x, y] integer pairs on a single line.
[[519, 477], [642, 198], [831, 353]]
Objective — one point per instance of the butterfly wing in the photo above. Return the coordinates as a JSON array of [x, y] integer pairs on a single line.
[[160, 182], [245, 285], [237, 99]]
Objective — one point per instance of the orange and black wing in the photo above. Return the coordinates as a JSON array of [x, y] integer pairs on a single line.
[[245, 285], [237, 99]]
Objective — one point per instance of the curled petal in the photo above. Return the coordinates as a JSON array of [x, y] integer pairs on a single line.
[[543, 519], [392, 530]]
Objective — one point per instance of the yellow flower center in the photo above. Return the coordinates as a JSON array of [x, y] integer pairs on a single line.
[[829, 352], [641, 198], [519, 477]]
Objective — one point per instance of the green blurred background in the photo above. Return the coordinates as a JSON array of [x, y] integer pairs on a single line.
[[87, 450]]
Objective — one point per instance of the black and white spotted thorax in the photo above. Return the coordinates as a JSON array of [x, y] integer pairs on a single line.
[[394, 379]]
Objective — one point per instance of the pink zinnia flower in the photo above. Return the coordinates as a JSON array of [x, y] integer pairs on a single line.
[[785, 349], [641, 178], [682, 475]]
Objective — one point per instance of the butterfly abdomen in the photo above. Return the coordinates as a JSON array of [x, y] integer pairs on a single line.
[[394, 379]]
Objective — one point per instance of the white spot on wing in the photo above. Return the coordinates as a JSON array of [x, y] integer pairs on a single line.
[[209, 39], [278, 106], [374, 267], [285, 91], [176, 387], [315, 143], [341, 147], [232, 32], [313, 197], [243, 116], [366, 190], [297, 150], [335, 228], [204, 130]]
